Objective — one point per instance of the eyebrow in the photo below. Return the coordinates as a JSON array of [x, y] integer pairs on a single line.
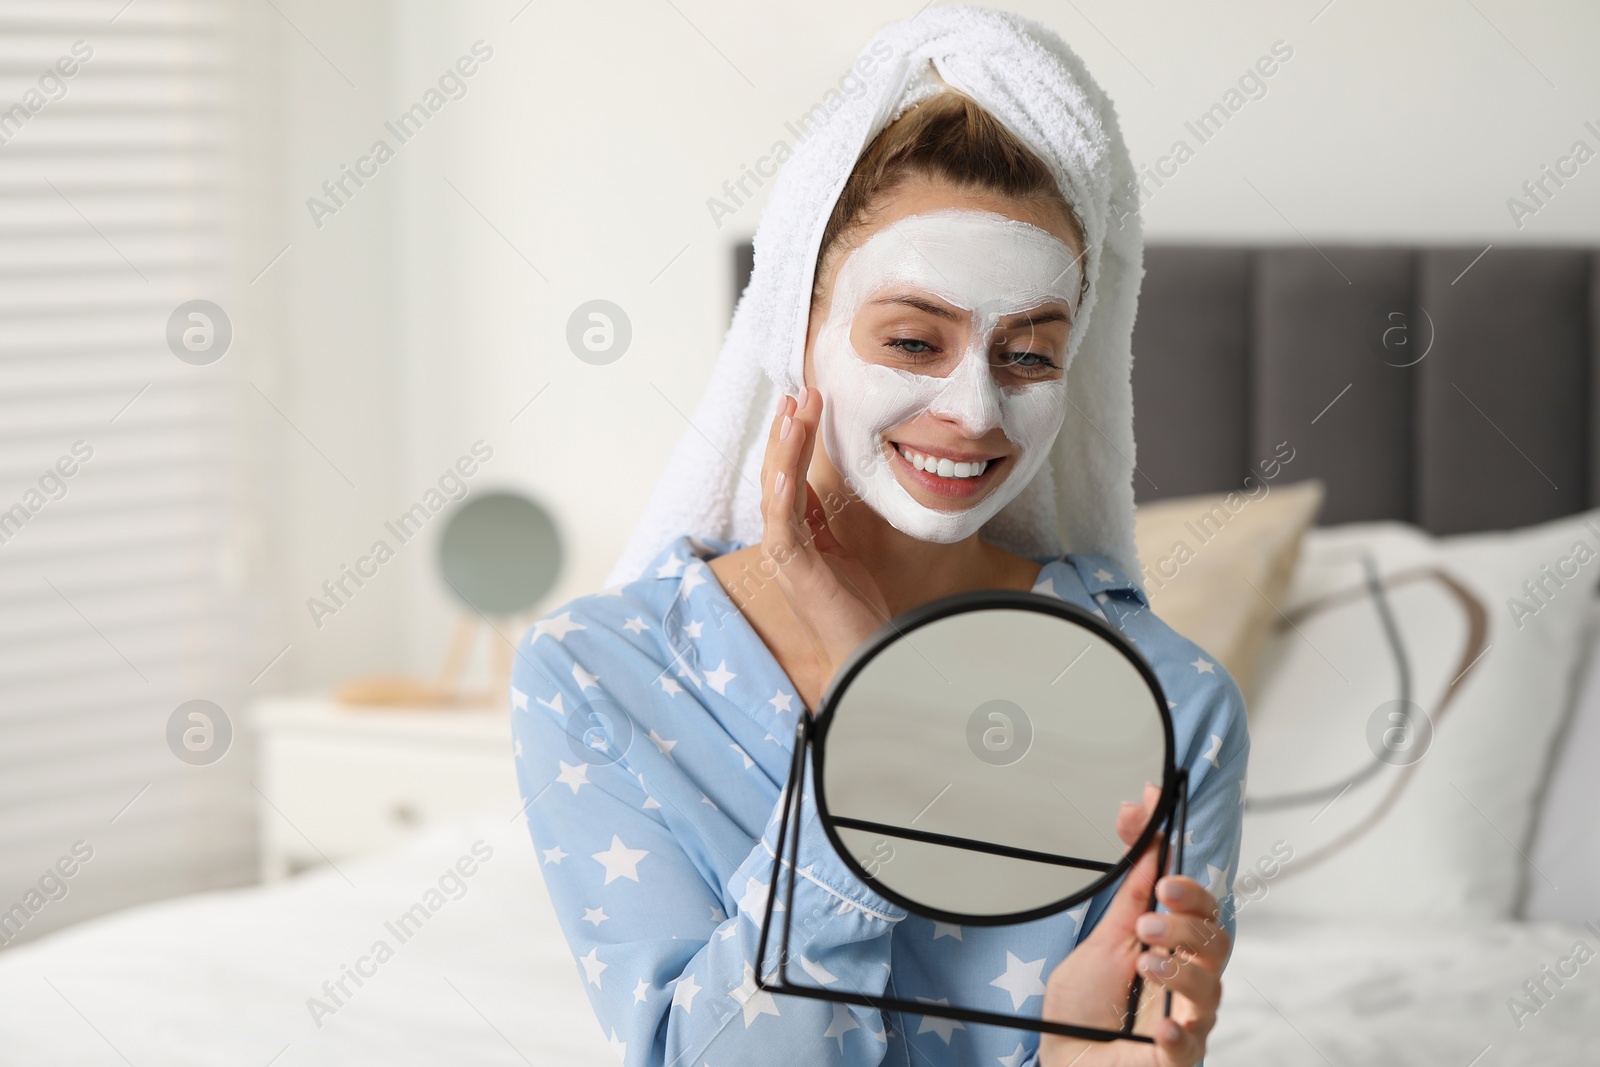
[[1040, 318], [1037, 318], [921, 305]]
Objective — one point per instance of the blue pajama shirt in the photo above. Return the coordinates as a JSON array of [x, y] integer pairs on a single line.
[[653, 734]]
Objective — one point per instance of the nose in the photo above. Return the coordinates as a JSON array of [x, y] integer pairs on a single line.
[[970, 398]]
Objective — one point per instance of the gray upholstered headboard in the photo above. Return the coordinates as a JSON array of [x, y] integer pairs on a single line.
[[1446, 386]]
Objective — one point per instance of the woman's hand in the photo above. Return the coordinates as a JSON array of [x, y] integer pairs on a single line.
[[831, 592], [1188, 949]]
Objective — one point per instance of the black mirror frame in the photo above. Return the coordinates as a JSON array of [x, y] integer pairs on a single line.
[[1170, 819]]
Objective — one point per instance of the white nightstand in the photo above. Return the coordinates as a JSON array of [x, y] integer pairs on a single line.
[[340, 781]]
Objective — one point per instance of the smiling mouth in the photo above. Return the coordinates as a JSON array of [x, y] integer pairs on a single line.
[[946, 476]]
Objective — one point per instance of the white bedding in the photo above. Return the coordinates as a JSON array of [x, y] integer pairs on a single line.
[[1346, 994], [223, 978]]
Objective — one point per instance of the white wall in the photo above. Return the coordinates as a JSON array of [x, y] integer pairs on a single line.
[[593, 138]]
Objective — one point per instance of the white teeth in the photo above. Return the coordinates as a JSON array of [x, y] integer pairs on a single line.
[[944, 468]]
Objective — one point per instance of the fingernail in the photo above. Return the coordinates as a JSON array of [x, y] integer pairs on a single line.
[[1170, 891], [1170, 1031], [1163, 966], [777, 482], [1149, 925], [783, 428], [800, 397]]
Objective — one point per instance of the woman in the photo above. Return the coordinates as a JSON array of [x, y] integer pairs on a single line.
[[944, 306]]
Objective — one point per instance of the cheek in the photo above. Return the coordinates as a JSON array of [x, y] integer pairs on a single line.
[[1033, 416], [861, 397]]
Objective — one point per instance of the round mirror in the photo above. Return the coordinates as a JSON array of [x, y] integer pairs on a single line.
[[971, 759], [500, 553]]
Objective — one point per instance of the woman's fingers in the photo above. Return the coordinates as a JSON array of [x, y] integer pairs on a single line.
[[787, 497], [782, 477], [1194, 921], [1201, 987], [1196, 935], [1177, 1045], [1133, 817], [1131, 900]]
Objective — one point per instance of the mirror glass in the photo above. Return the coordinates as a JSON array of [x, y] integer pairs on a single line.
[[500, 553], [972, 767]]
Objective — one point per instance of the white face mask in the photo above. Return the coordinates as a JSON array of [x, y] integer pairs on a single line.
[[981, 262]]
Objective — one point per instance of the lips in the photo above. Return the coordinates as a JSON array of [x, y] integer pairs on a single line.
[[950, 487]]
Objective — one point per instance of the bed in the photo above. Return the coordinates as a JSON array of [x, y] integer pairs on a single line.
[[1405, 930]]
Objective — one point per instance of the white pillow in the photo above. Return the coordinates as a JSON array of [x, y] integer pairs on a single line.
[[1566, 837], [1444, 836]]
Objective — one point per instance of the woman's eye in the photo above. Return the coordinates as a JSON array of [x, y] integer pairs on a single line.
[[1028, 362], [911, 346]]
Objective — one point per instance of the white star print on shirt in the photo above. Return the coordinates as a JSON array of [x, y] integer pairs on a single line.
[[780, 702], [694, 629], [554, 855], [557, 626], [1021, 980], [719, 678], [592, 967], [620, 861], [553, 705], [577, 777], [1204, 666], [1103, 574], [754, 1001], [519, 699], [753, 904], [1014, 1059], [945, 1028], [619, 1047], [635, 625], [1216, 747], [670, 568], [683, 992], [946, 930], [843, 1022], [663, 744], [641, 991], [595, 915], [584, 679], [670, 687], [692, 577], [818, 972]]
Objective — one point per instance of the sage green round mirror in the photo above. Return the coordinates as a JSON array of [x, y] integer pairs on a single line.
[[500, 553]]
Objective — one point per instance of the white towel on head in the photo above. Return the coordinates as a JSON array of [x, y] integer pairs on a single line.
[[1081, 500]]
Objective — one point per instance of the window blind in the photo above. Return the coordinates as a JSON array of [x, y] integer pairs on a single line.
[[116, 602]]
